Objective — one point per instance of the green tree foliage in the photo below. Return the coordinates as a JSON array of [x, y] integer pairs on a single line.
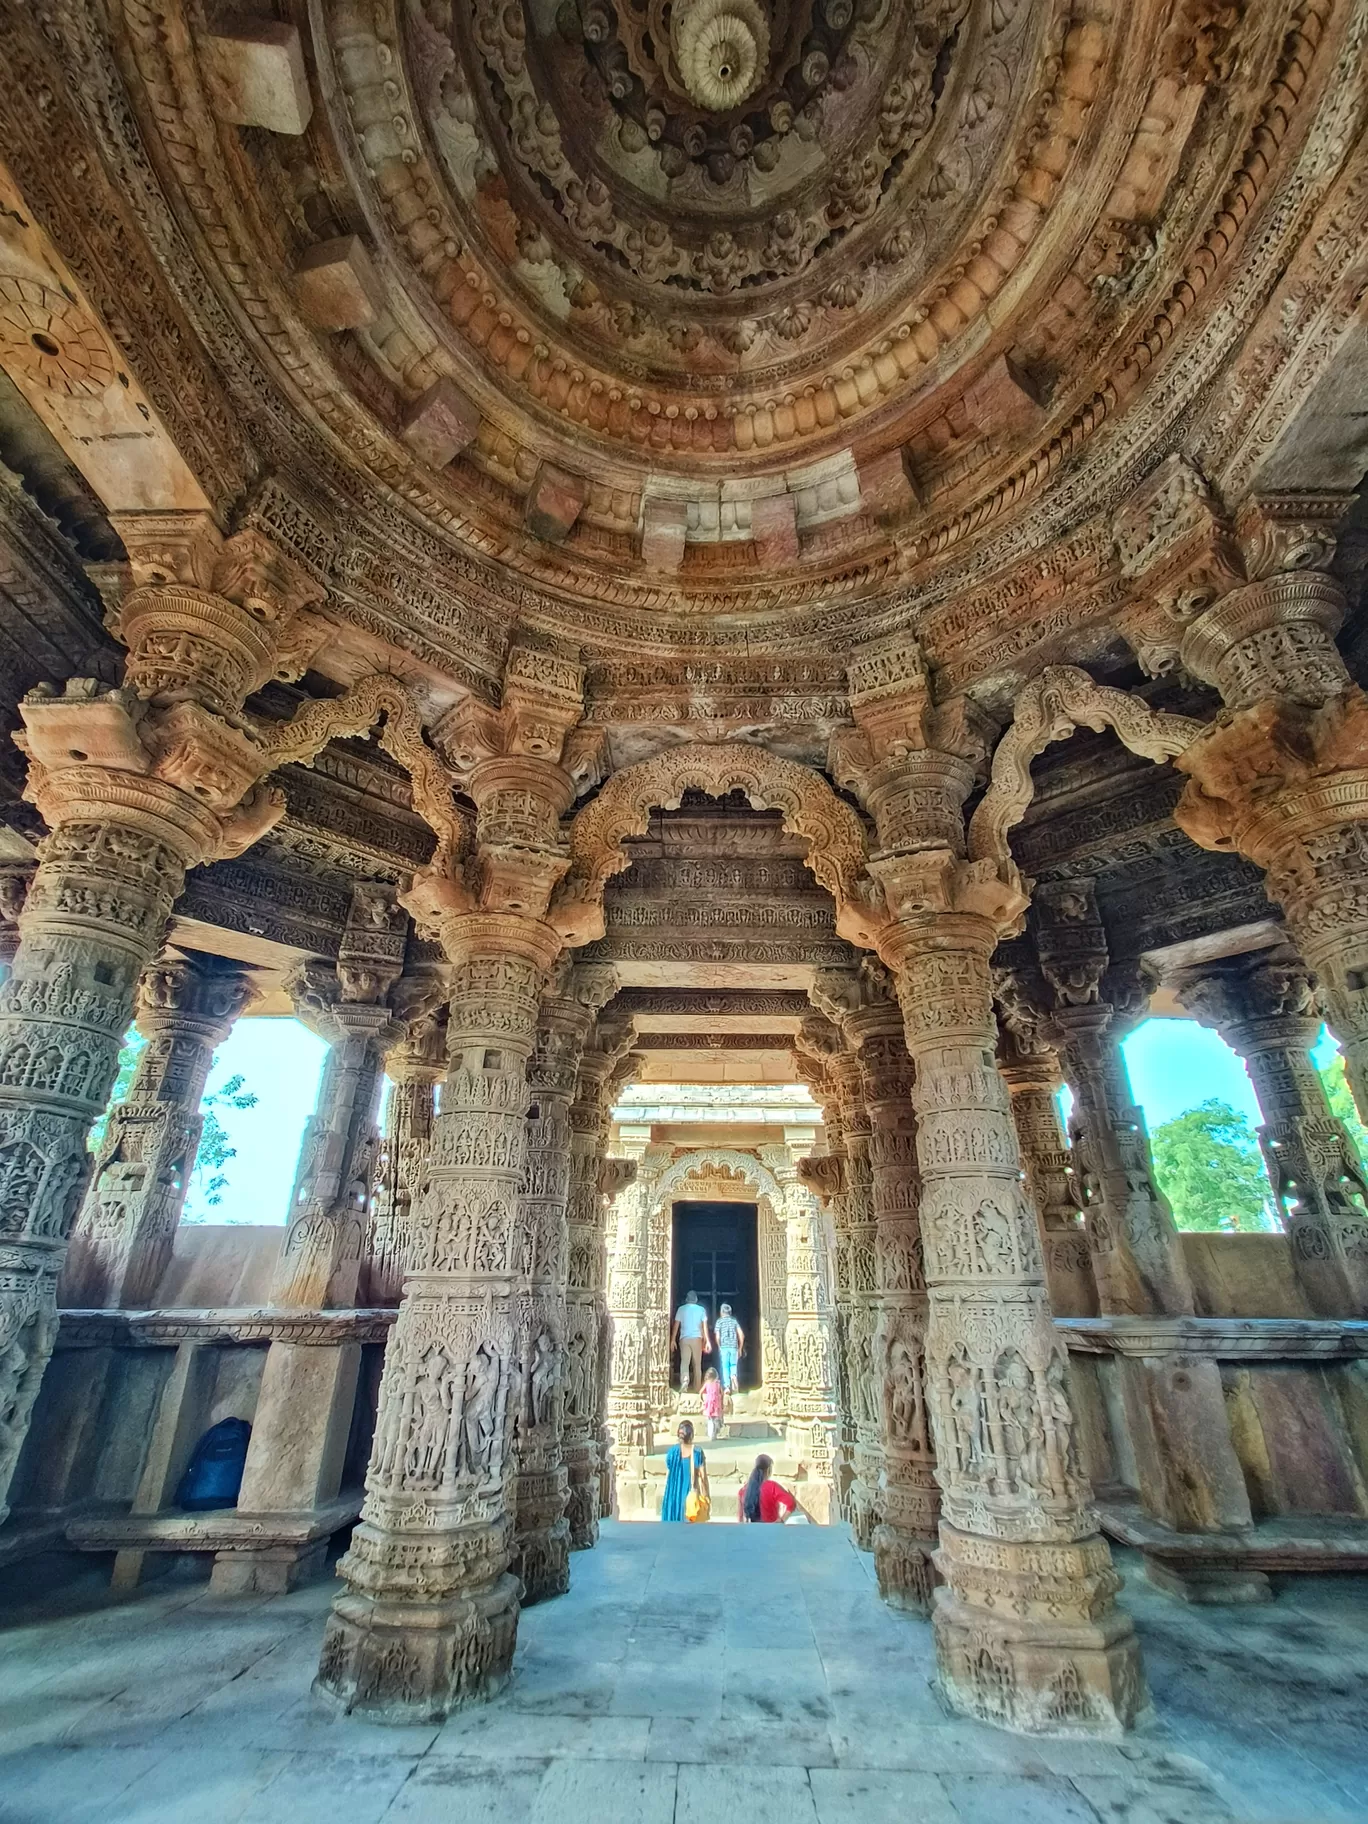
[[1208, 1165], [1342, 1102], [132, 1049], [209, 1180]]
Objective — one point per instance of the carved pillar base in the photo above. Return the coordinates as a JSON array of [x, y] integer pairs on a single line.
[[542, 1555], [1058, 1659], [415, 1661], [904, 1564]]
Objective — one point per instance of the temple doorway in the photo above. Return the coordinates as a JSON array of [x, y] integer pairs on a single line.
[[714, 1252]]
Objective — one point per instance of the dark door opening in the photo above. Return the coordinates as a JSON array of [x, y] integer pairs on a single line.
[[714, 1253]]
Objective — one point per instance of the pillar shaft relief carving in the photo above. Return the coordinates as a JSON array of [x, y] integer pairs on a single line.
[[631, 1419], [322, 1254], [136, 785], [557, 1361], [1033, 1078], [908, 1500], [594, 1181], [1026, 1629], [427, 1621], [1263, 1006], [809, 1342], [187, 1004], [1137, 1254], [825, 1176], [415, 1065], [866, 1450]]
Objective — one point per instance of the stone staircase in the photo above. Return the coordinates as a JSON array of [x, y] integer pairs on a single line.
[[746, 1433]]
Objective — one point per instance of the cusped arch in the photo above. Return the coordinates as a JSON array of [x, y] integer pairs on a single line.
[[1064, 698], [746, 1165], [811, 810]]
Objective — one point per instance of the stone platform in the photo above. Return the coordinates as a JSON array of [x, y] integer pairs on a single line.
[[692, 1674]]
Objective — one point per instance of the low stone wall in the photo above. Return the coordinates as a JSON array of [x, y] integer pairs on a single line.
[[216, 1266], [1243, 1276]]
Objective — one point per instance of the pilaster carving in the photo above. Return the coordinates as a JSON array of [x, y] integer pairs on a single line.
[[136, 785], [1263, 1005], [187, 1003], [1137, 1256], [1026, 1630]]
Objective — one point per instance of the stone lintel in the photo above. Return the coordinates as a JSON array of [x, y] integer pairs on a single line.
[[1225, 1338], [337, 285], [258, 77], [440, 424], [157, 1329], [222, 1530]]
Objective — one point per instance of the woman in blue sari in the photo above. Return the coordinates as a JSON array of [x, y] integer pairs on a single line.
[[683, 1463]]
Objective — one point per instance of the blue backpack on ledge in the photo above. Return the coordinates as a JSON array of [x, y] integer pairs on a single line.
[[214, 1473]]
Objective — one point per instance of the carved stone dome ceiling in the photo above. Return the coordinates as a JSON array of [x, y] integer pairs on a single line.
[[779, 316]]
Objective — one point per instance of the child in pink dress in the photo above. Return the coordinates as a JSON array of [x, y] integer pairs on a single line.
[[712, 1403]]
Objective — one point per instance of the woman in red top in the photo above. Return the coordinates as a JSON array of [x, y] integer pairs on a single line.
[[762, 1499]]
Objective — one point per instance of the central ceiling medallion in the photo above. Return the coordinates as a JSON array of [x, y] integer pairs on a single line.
[[722, 50]]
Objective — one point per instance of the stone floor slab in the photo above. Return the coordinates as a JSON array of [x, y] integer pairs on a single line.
[[690, 1674]]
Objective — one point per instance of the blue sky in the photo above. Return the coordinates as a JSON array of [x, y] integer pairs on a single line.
[[1173, 1065], [282, 1062]]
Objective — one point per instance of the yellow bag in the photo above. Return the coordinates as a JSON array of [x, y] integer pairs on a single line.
[[697, 1508]]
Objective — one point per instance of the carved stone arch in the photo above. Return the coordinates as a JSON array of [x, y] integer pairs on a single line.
[[1064, 698], [811, 810], [379, 698], [758, 1176]]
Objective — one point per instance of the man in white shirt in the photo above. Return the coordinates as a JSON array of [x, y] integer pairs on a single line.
[[690, 1331]]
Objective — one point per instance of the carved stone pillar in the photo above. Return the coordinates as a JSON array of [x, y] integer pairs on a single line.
[[136, 786], [825, 1175], [1263, 1006], [860, 1231], [321, 1257], [187, 1003], [593, 1177], [615, 1176], [1281, 776], [557, 1363], [1137, 1253], [631, 1422], [813, 1422], [1033, 1079], [415, 1065], [907, 1500], [1026, 1630], [427, 1621]]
